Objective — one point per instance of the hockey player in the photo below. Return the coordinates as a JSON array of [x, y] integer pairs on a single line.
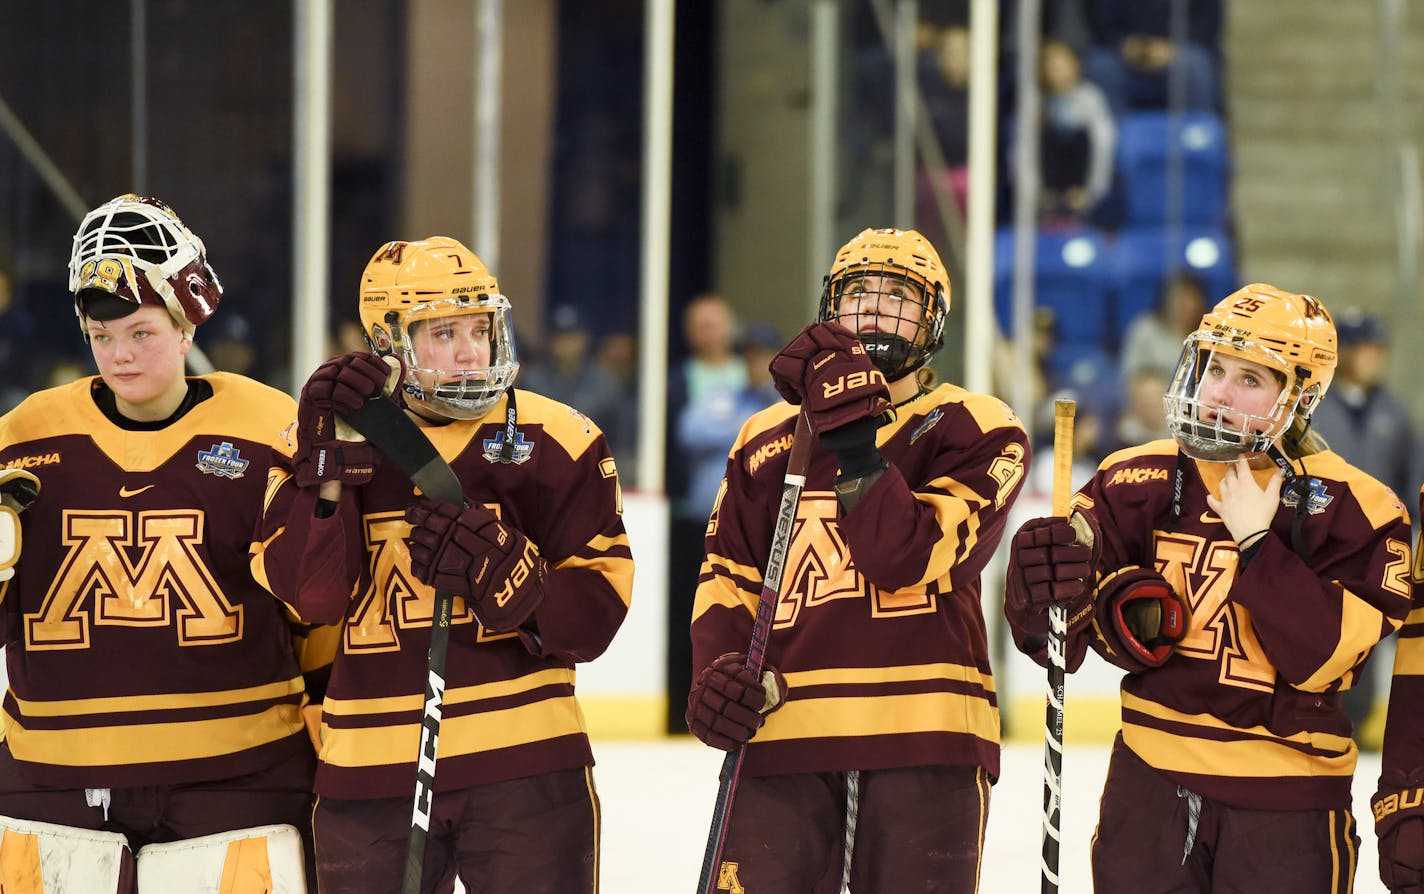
[[1241, 573], [537, 558], [154, 696], [1398, 804], [878, 660]]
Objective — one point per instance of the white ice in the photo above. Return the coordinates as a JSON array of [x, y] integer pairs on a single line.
[[657, 801]]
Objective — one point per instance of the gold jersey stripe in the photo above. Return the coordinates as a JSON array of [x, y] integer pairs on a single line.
[[617, 569], [1255, 758], [1409, 657], [150, 743], [471, 734], [1360, 625], [455, 696], [1319, 740], [878, 715], [900, 674], [176, 701]]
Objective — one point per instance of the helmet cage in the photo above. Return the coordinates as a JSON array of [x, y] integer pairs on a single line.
[[137, 249], [1233, 434], [891, 352], [429, 382]]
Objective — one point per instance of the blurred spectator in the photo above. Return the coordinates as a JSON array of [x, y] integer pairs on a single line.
[[1078, 139], [348, 336], [1143, 418], [707, 428], [617, 355], [1362, 420], [228, 344], [1133, 54], [714, 368], [1368, 426], [1154, 338], [943, 76], [569, 375], [63, 371]]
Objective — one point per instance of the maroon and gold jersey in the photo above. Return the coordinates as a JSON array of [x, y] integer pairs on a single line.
[[140, 649], [509, 706], [1247, 709], [878, 628], [1404, 726]]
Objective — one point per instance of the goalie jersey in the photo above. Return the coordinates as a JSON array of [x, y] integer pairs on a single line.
[[140, 649], [878, 628], [1247, 709], [509, 706]]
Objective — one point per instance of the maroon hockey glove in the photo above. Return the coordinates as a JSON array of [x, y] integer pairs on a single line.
[[1398, 807], [728, 705], [826, 367], [1138, 619], [341, 384], [1049, 566], [470, 552]]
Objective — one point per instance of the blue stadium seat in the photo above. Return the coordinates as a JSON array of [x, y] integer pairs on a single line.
[[1145, 141], [1072, 276], [1142, 258]]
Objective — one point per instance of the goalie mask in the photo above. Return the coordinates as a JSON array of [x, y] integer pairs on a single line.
[[133, 251], [889, 288], [1210, 408], [436, 306]]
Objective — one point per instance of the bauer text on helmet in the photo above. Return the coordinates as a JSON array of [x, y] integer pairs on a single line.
[[436, 305], [137, 250], [1213, 405], [889, 287]]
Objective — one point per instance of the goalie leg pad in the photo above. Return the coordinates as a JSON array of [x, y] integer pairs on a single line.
[[38, 857], [260, 860]]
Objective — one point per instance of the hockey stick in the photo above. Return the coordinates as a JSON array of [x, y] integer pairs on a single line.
[[756, 652], [1063, 411], [387, 426]]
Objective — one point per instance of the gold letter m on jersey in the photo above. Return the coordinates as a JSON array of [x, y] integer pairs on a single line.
[[97, 577]]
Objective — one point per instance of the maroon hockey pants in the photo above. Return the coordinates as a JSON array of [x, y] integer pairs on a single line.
[[537, 835], [1143, 833], [919, 829]]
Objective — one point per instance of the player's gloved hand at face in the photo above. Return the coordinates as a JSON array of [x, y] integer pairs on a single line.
[[1400, 830], [328, 451], [1053, 562], [727, 704], [18, 489], [471, 553], [826, 367]]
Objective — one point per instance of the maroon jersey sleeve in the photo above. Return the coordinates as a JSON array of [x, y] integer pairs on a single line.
[[1404, 726]]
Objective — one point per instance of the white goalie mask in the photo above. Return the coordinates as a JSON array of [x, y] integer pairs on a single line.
[[137, 249], [435, 305]]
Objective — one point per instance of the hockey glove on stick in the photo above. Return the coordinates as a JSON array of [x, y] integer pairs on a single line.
[[325, 452], [1138, 619], [18, 489], [473, 553], [826, 367], [1400, 830], [728, 704], [1053, 562]]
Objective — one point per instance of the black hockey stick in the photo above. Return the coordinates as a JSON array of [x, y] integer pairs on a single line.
[[756, 652], [397, 436], [1063, 411]]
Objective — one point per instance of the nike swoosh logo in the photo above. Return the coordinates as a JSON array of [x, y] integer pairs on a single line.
[[1208, 519], [125, 492]]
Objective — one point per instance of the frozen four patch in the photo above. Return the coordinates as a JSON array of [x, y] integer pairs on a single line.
[[223, 460]]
